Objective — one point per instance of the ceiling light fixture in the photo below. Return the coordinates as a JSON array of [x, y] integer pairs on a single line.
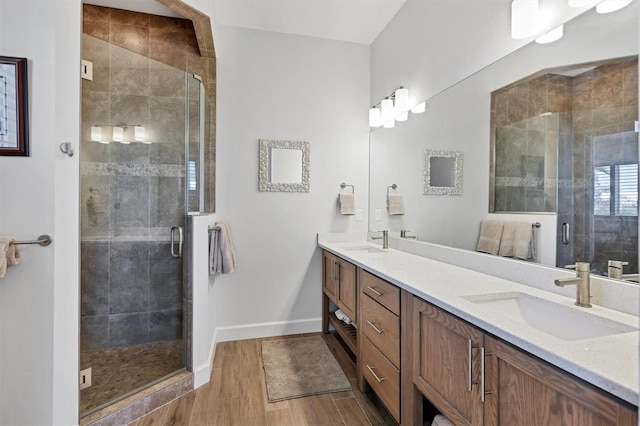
[[608, 6], [524, 18], [553, 35]]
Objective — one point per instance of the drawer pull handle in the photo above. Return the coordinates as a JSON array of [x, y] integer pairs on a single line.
[[374, 374], [374, 327], [374, 290]]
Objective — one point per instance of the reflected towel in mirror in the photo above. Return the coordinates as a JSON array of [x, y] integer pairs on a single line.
[[396, 204], [222, 257], [9, 254], [517, 240], [490, 236], [347, 203]]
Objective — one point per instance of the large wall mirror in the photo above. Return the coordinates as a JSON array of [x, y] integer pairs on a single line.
[[578, 166]]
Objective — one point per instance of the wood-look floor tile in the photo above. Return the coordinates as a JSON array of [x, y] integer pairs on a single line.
[[317, 410], [199, 407], [179, 410], [280, 417], [351, 412], [156, 417]]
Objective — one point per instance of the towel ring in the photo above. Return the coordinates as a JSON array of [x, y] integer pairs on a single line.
[[344, 185], [389, 188]]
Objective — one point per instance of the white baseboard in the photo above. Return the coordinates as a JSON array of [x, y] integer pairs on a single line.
[[202, 373]]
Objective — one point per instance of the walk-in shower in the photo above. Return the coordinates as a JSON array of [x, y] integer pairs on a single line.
[[135, 193]]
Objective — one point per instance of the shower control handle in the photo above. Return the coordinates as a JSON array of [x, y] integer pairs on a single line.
[[180, 240]]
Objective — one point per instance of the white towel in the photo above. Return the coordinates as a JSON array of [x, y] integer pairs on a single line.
[[490, 236], [222, 257], [396, 204], [347, 203], [9, 254], [343, 317], [441, 420], [517, 240]]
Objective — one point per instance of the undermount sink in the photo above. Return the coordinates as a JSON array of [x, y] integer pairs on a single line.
[[563, 322], [367, 249]]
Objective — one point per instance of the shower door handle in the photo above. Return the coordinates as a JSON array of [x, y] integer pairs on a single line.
[[173, 241], [565, 233]]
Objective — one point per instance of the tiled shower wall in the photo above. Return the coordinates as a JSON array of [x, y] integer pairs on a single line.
[[605, 108], [527, 138], [132, 289]]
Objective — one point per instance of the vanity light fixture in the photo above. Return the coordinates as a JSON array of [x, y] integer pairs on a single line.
[[420, 108], [118, 132], [608, 6], [392, 108], [524, 18], [553, 35]]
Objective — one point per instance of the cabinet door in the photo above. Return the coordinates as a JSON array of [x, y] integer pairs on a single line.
[[446, 364], [347, 289], [330, 276], [526, 390]]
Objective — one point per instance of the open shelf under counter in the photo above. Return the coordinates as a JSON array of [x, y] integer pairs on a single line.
[[348, 332]]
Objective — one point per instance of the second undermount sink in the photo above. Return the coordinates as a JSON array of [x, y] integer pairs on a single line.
[[365, 249], [563, 322]]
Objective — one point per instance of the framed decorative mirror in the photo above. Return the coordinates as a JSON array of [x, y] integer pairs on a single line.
[[283, 166], [442, 172]]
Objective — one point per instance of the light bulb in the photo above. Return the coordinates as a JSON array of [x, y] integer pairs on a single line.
[[404, 116], [138, 133], [553, 35], [389, 124], [386, 110], [118, 134], [402, 100], [524, 18], [608, 6], [96, 134], [420, 108], [374, 117]]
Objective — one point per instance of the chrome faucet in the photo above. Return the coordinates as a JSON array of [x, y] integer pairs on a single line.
[[403, 234], [384, 238], [581, 281], [615, 268]]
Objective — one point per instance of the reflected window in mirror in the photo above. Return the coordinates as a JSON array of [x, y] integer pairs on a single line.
[[442, 172], [283, 166]]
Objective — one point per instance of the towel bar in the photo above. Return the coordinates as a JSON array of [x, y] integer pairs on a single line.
[[536, 225], [214, 228], [43, 240], [344, 185]]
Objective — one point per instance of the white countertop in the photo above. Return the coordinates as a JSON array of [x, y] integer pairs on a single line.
[[608, 362]]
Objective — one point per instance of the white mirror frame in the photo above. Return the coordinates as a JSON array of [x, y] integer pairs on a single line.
[[264, 184], [428, 189]]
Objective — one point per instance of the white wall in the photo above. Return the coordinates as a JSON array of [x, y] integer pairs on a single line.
[[38, 195], [431, 44], [285, 87]]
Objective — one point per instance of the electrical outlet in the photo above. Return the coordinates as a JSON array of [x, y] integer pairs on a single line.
[[86, 70], [378, 214], [85, 378], [359, 215]]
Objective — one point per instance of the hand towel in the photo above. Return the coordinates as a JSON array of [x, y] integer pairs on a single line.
[[343, 317], [490, 236], [347, 203], [441, 420], [517, 240], [396, 204], [222, 256], [9, 254]]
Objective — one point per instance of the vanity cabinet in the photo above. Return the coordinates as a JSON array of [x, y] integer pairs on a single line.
[[339, 286], [474, 378], [380, 340]]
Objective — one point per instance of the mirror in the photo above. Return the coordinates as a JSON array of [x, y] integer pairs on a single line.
[[442, 172], [455, 221], [283, 166]]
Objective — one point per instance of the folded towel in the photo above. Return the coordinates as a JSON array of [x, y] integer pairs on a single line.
[[347, 203], [490, 235], [222, 257], [9, 254], [517, 240], [396, 204], [96, 203], [343, 317], [441, 420]]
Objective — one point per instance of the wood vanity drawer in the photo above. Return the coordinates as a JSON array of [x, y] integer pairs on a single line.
[[382, 327], [387, 294], [382, 376]]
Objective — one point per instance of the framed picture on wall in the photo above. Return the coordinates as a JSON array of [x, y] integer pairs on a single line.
[[14, 128]]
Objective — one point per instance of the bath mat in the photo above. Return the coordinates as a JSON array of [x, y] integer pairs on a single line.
[[301, 366]]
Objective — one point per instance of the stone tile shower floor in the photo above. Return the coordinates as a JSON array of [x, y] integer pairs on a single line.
[[119, 371]]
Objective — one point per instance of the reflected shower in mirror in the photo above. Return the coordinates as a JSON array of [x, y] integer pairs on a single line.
[[553, 171], [283, 166]]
